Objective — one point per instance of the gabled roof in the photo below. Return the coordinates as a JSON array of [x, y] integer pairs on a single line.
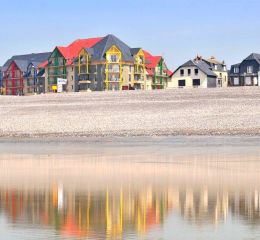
[[235, 65], [106, 43], [153, 60], [72, 50], [254, 56], [135, 51], [22, 61], [204, 67]]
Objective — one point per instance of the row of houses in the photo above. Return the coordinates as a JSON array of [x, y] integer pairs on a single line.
[[107, 63], [95, 64]]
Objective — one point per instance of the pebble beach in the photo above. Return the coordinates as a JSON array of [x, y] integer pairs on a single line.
[[223, 111]]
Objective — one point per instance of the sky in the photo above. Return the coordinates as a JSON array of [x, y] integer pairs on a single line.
[[177, 30]]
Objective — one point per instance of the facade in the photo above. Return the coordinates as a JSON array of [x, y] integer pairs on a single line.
[[1, 82], [111, 65], [158, 74], [22, 74], [60, 64], [99, 64], [220, 69], [246, 73], [194, 74]]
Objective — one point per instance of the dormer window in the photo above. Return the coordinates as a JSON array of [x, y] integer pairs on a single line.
[[236, 70]]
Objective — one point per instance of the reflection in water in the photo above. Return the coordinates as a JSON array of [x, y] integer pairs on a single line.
[[101, 196], [114, 214]]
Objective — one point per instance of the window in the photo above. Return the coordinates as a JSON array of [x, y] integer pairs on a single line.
[[182, 83], [196, 82], [248, 81], [236, 70], [189, 72], [196, 71], [182, 72], [236, 81], [250, 69], [113, 58]]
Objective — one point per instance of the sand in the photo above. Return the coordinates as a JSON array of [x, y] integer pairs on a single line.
[[231, 111]]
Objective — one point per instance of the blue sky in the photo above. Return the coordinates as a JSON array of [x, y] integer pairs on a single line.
[[178, 30]]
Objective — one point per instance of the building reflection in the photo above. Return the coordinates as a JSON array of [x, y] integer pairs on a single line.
[[114, 213]]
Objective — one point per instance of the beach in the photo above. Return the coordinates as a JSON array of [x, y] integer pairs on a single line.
[[225, 111]]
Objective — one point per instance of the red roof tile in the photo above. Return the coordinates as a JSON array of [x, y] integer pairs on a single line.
[[149, 71], [72, 50], [154, 60]]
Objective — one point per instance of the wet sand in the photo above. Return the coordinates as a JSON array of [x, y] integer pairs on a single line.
[[97, 164]]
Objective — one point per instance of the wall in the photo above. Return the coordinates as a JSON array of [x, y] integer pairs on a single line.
[[174, 82]]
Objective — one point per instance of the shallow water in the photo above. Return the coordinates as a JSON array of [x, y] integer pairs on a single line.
[[130, 188]]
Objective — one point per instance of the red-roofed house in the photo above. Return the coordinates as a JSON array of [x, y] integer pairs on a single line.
[[158, 74], [60, 64]]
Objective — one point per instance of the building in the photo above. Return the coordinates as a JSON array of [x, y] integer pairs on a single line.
[[1, 82], [22, 74], [246, 73], [110, 65], [61, 64], [104, 63], [194, 73], [158, 74], [220, 69]]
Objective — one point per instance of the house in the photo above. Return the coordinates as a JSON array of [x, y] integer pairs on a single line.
[[104, 63], [220, 69], [1, 82], [60, 64], [22, 74], [246, 73], [113, 65], [194, 73], [158, 73], [110, 65]]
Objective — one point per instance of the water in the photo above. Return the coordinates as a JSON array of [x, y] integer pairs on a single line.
[[131, 188]]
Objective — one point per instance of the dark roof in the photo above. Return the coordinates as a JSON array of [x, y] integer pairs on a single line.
[[134, 51], [254, 56], [204, 67], [106, 43], [235, 65], [22, 61]]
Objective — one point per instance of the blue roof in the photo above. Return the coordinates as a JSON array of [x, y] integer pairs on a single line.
[[23, 61]]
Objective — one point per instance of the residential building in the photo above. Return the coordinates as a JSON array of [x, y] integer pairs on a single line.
[[22, 74], [1, 82], [104, 63], [110, 65], [158, 73], [194, 73], [246, 73], [61, 64], [219, 68]]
